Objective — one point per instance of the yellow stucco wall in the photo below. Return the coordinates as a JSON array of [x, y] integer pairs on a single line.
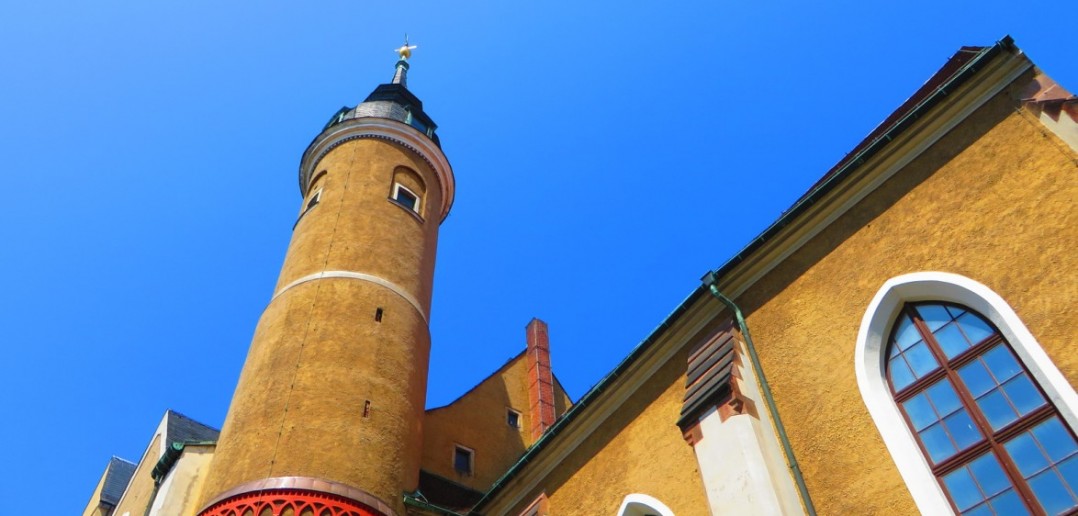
[[639, 449], [140, 491], [993, 201], [318, 354], [93, 507], [478, 421]]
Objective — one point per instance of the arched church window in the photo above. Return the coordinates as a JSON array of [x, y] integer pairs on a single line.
[[992, 438], [638, 504]]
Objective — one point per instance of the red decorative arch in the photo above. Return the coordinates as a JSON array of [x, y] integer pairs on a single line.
[[277, 502]]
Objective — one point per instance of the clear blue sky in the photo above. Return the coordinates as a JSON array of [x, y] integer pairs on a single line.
[[607, 155]]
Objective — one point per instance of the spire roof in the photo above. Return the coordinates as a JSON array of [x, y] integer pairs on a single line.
[[392, 101]]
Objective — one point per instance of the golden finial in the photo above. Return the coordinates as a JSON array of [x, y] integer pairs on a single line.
[[405, 51]]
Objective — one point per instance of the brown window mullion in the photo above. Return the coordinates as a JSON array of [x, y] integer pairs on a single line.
[[974, 412]]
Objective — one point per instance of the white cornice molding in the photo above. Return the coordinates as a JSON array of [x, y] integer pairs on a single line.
[[384, 129]]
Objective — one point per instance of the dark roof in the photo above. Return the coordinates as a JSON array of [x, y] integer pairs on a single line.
[[394, 102], [181, 429], [446, 493], [953, 65], [117, 475]]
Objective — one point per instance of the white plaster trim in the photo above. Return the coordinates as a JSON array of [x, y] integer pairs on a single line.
[[642, 501], [396, 289], [869, 361]]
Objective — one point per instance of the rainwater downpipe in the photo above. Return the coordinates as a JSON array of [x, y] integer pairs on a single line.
[[709, 280]]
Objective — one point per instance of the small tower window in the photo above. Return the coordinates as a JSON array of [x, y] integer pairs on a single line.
[[463, 460], [512, 418], [405, 197], [314, 200]]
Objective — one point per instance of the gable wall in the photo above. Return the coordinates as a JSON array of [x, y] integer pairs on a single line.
[[992, 201], [478, 421]]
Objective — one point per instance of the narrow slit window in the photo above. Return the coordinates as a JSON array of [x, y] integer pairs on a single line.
[[463, 460], [378, 315], [405, 197]]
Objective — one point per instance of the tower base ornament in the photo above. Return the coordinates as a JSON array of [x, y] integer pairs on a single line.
[[289, 502]]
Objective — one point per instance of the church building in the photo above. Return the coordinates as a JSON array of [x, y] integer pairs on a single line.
[[899, 341]]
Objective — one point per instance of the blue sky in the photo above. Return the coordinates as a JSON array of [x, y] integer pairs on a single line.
[[607, 155]]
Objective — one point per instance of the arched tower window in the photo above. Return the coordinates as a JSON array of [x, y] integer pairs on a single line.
[[992, 438]]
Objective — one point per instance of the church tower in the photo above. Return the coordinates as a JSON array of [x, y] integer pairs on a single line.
[[328, 409]]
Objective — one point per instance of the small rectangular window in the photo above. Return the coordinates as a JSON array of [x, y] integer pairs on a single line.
[[512, 418], [405, 197], [462, 460]]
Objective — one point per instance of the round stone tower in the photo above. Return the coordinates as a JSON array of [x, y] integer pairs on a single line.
[[330, 401]]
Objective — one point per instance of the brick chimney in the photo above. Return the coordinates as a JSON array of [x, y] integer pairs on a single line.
[[540, 378]]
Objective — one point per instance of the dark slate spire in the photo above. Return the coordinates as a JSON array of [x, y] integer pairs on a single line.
[[392, 101]]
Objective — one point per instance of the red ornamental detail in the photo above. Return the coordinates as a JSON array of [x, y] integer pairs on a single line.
[[288, 502]]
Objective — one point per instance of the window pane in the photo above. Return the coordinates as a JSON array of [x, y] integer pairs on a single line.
[[1069, 470], [1008, 503], [975, 328], [963, 491], [1055, 439], [1023, 395], [906, 334], [921, 359], [962, 429], [1001, 363], [1051, 493], [996, 409], [406, 199], [937, 443], [955, 311], [919, 412], [934, 316], [951, 340], [1026, 455], [943, 397], [988, 473], [900, 373], [976, 378], [982, 510]]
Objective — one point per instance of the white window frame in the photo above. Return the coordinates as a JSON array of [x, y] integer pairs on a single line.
[[637, 504], [397, 187], [870, 361]]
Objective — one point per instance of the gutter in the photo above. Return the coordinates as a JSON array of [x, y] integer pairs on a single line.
[[765, 388], [854, 162], [959, 78]]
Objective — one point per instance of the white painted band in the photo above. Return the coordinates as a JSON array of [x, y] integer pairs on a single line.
[[396, 289]]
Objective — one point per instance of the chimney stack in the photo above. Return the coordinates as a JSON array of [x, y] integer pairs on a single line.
[[541, 380]]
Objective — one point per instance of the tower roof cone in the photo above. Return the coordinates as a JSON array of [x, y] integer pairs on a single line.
[[393, 101]]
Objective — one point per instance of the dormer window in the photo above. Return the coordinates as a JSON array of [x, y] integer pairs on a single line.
[[405, 197]]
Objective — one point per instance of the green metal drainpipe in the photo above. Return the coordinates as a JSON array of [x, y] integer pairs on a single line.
[[709, 280]]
